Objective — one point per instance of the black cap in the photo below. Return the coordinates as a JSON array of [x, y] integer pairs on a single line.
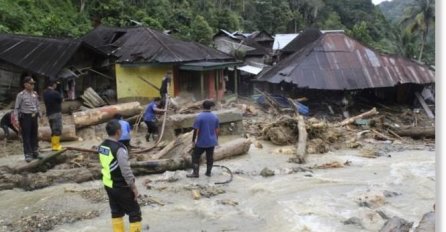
[[28, 79]]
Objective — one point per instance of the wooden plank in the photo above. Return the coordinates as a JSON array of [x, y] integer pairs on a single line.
[[424, 105]]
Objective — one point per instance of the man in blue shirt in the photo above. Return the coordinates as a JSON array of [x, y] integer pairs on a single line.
[[125, 131], [205, 138], [150, 118]]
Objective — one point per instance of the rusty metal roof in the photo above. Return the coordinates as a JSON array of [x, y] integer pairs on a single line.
[[144, 45], [337, 62], [40, 55]]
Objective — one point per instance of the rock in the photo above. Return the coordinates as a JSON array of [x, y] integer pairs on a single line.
[[266, 172], [354, 221], [427, 223], [196, 194], [228, 202], [257, 144], [390, 194], [396, 224]]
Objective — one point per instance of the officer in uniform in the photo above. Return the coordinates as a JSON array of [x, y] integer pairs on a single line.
[[118, 180], [27, 110]]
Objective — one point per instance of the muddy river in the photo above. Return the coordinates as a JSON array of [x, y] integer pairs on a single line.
[[296, 198]]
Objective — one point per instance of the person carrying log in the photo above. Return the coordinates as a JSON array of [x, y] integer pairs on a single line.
[[26, 112], [125, 130], [7, 123], [204, 139], [118, 180], [53, 104], [150, 118]]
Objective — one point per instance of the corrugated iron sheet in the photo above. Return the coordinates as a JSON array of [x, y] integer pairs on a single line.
[[338, 62], [144, 45], [40, 55]]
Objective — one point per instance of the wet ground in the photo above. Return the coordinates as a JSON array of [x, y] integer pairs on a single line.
[[317, 196]]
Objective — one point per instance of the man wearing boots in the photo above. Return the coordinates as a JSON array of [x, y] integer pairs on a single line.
[[119, 181], [150, 118], [205, 138], [53, 105], [26, 112]]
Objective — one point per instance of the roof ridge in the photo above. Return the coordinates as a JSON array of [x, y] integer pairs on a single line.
[[162, 43]]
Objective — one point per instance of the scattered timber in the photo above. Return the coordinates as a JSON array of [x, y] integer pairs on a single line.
[[301, 146], [68, 133], [92, 99], [105, 113], [416, 132], [369, 113]]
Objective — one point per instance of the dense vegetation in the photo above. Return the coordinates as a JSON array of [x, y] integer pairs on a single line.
[[200, 19]]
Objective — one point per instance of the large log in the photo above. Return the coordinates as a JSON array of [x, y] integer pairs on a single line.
[[363, 115], [68, 133], [36, 164], [103, 114], [416, 132], [301, 146], [183, 160]]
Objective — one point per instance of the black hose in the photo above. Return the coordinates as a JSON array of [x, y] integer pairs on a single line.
[[228, 170]]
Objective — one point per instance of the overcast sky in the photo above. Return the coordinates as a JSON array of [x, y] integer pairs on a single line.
[[376, 2]]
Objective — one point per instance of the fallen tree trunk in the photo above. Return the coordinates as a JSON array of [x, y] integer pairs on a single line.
[[180, 144], [301, 146], [68, 133], [183, 160], [363, 115], [416, 132], [103, 114], [36, 165], [20, 177]]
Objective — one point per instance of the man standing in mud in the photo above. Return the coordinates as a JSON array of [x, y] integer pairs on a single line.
[[53, 105], [26, 112], [118, 180], [205, 138]]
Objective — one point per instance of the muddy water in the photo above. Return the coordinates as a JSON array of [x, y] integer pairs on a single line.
[[311, 200]]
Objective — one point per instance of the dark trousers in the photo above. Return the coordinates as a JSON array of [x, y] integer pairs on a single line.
[[29, 128], [152, 128], [122, 201], [55, 121], [196, 155], [6, 128]]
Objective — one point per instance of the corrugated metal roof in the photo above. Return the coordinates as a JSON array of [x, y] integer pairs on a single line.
[[305, 37], [281, 40], [144, 45], [40, 55], [337, 62]]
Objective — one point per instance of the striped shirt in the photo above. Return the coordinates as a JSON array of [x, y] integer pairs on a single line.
[[27, 103]]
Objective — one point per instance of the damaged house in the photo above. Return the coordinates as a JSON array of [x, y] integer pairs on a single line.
[[46, 58], [336, 64], [142, 57], [255, 51]]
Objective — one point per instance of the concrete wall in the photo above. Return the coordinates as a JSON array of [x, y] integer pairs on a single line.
[[130, 87]]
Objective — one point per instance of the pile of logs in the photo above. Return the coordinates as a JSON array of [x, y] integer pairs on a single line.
[[71, 165]]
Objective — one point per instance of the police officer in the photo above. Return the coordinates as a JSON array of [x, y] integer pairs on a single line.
[[27, 111], [118, 180], [53, 105]]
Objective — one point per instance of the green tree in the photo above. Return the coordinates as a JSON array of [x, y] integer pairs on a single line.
[[361, 33], [201, 31], [420, 18]]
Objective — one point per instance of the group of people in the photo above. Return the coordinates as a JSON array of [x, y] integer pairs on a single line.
[[117, 176], [23, 120]]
